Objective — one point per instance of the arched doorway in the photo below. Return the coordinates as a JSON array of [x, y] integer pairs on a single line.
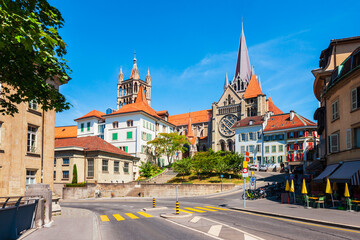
[[230, 145], [222, 145]]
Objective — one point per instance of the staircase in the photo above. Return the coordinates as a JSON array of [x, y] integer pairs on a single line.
[[163, 178]]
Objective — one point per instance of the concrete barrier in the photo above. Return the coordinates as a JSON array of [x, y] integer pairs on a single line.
[[143, 190]]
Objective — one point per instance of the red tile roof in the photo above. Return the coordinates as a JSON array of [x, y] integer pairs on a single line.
[[92, 143], [273, 108], [282, 121], [257, 120], [163, 112], [139, 105], [196, 117], [93, 113], [253, 89], [66, 132]]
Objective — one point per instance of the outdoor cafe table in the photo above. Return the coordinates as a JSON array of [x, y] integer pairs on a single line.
[[314, 198], [355, 201]]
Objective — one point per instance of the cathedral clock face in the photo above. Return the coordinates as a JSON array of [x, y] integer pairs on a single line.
[[226, 123]]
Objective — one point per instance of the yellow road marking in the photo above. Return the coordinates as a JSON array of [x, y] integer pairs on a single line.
[[118, 217], [207, 209], [294, 221], [132, 216], [145, 214], [224, 209], [193, 209], [104, 218], [180, 210]]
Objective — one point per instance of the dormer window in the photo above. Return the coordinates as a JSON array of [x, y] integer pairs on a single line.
[[115, 124], [130, 123]]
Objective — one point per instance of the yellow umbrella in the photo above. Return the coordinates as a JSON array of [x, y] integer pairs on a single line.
[[292, 188], [335, 187], [287, 187], [346, 193], [304, 190], [328, 187]]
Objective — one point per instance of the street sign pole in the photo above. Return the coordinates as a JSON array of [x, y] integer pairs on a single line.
[[244, 192], [176, 193]]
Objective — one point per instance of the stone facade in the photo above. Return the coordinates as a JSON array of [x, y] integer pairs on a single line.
[[26, 149]]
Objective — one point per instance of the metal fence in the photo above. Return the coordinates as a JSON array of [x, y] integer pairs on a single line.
[[16, 216]]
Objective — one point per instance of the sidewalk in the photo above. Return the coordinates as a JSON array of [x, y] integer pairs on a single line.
[[73, 223], [332, 217]]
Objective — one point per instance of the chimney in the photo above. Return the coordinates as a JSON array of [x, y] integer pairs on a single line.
[[292, 114]]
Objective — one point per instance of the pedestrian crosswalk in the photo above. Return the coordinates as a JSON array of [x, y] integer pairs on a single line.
[[125, 216], [141, 215]]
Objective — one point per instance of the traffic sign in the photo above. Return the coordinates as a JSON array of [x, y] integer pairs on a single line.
[[253, 181], [221, 176], [245, 170]]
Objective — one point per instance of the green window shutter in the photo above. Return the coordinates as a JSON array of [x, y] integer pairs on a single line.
[[82, 127], [88, 126], [114, 136], [126, 149], [129, 135]]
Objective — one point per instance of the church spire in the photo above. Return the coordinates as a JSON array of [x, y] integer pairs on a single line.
[[121, 76], [243, 67], [135, 70], [148, 77], [226, 82], [190, 133]]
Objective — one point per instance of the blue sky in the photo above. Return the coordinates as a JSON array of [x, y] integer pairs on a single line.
[[189, 46]]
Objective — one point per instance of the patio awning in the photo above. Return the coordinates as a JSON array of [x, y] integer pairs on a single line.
[[349, 172], [327, 172]]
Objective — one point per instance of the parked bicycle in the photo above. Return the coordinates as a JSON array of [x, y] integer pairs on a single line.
[[250, 195]]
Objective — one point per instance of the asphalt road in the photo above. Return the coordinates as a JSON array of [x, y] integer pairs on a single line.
[[210, 219]]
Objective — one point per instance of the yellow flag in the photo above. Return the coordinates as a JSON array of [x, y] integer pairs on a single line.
[[335, 187], [328, 187], [304, 190], [292, 188], [346, 193], [287, 187]]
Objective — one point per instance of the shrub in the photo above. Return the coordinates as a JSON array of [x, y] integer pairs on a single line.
[[74, 180], [83, 184]]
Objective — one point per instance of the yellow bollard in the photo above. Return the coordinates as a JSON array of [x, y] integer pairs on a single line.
[[153, 202], [177, 207]]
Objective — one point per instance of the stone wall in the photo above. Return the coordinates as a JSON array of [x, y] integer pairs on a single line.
[[143, 190]]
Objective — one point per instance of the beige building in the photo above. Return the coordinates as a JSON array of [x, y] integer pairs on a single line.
[[26, 149], [337, 87], [97, 161]]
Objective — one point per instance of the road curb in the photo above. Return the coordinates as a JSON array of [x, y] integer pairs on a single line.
[[173, 215], [154, 209], [308, 220]]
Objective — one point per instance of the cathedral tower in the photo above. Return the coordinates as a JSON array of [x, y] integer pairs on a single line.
[[128, 89]]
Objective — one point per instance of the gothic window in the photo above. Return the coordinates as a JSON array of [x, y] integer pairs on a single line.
[[204, 148], [238, 85], [230, 146], [229, 100], [201, 133], [222, 144], [242, 86], [136, 89]]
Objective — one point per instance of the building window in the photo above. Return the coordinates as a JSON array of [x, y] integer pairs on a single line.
[[65, 174], [30, 177], [335, 110], [272, 159], [301, 133], [242, 149], [130, 123], [334, 143], [357, 137], [355, 98], [114, 136], [66, 161], [54, 162], [116, 166], [54, 175], [90, 168], [126, 167], [291, 134], [105, 165], [258, 148], [251, 148], [88, 126], [259, 135], [267, 149], [115, 124], [143, 136], [281, 148], [348, 139], [157, 127], [31, 139], [251, 136], [280, 159], [243, 136], [164, 128], [129, 135], [147, 125], [126, 149], [82, 127], [148, 137], [33, 105]]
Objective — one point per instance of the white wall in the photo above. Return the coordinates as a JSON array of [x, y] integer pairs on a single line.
[[93, 127], [239, 143]]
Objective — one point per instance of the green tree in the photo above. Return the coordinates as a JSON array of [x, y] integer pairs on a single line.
[[31, 55], [183, 166], [147, 169], [235, 161], [75, 178], [168, 144]]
